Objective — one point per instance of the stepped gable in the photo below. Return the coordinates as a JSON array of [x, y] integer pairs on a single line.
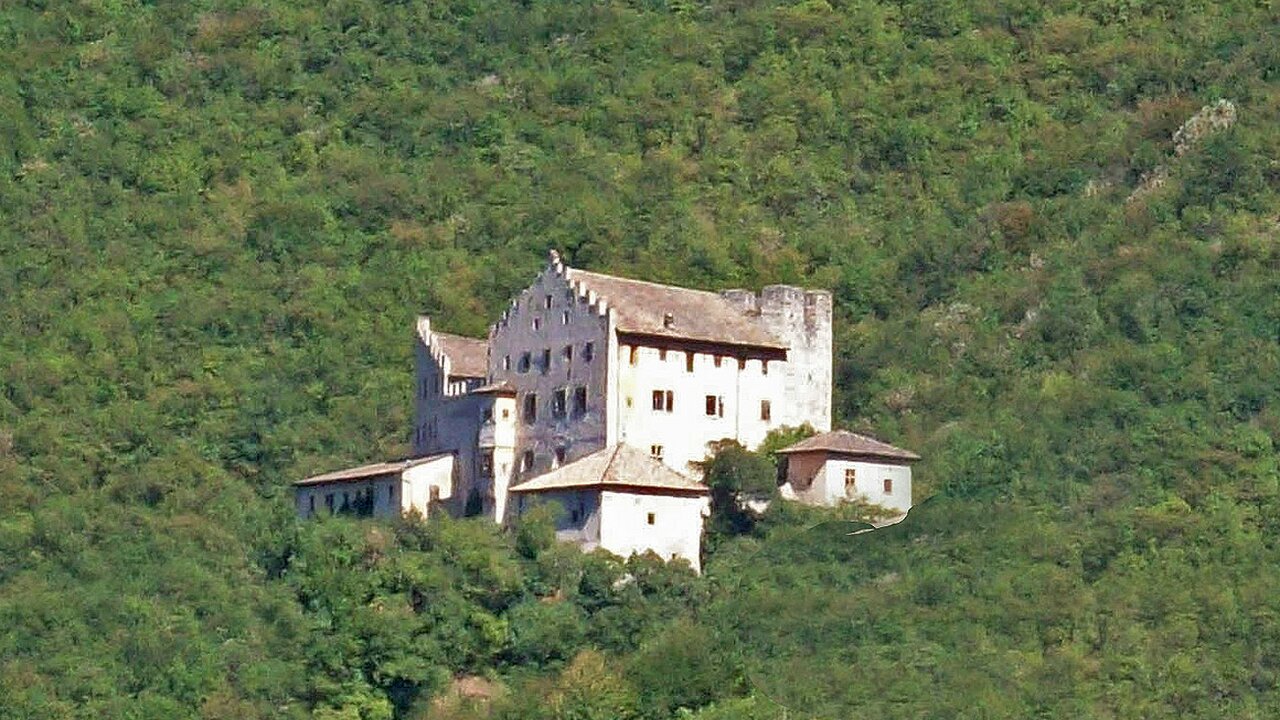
[[849, 443], [468, 357], [371, 470], [620, 466], [666, 311]]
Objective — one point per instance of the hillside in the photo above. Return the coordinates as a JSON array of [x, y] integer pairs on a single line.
[[1055, 277]]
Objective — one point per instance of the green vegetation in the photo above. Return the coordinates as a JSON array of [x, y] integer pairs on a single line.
[[218, 220]]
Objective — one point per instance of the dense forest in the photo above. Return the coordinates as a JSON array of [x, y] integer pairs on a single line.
[[1052, 229]]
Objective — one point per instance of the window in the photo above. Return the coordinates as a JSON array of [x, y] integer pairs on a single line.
[[531, 408], [766, 411], [391, 493], [580, 401], [888, 485], [546, 360], [567, 352], [561, 452], [564, 318], [313, 504], [656, 451], [662, 355], [575, 516], [486, 463], [850, 481], [527, 462], [717, 360], [663, 400], [506, 362], [651, 518], [559, 402], [588, 352], [537, 324], [715, 406], [635, 354], [688, 362], [764, 367], [525, 360], [742, 364], [546, 302], [506, 413], [328, 501]]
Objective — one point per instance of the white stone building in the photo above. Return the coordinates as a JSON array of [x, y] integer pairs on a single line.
[[839, 466], [625, 501], [380, 489], [584, 367], [594, 360]]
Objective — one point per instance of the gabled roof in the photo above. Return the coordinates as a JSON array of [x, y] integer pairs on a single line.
[[848, 443], [641, 308], [620, 466], [501, 387], [371, 470], [468, 357]]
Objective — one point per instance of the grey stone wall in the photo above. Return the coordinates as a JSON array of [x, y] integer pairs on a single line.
[[802, 319], [549, 316]]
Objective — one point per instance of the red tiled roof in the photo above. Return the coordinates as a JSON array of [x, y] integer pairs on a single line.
[[371, 470], [848, 443], [641, 308], [617, 466], [468, 357]]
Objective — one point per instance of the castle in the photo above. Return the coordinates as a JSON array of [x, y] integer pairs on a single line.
[[600, 393]]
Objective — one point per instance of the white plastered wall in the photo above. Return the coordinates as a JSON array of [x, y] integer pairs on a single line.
[[684, 433], [675, 533], [869, 483], [383, 504]]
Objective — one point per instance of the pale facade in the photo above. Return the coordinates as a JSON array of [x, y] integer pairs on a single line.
[[456, 411], [841, 466], [594, 360], [622, 500], [584, 366], [378, 489]]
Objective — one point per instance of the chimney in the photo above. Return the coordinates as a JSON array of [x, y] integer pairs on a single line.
[[668, 320]]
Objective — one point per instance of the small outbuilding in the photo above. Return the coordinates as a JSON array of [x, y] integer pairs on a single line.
[[840, 466], [624, 501], [382, 489]]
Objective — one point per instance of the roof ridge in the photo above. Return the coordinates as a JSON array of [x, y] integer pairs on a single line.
[[613, 458], [682, 288]]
